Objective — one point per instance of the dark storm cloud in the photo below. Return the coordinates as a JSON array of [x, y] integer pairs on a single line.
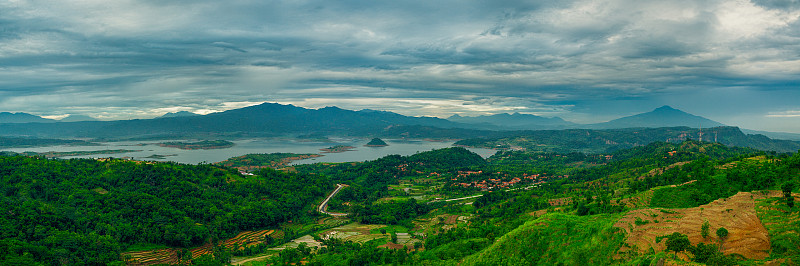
[[126, 59], [779, 4]]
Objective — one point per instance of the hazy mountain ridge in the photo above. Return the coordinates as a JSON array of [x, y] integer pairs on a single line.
[[7, 117], [178, 114], [609, 140], [513, 121], [272, 119], [78, 118], [267, 119], [664, 116]]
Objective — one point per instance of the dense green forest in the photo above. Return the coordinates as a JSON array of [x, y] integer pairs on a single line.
[[516, 207], [503, 231], [83, 211]]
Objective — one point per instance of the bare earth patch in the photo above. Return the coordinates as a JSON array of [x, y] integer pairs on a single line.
[[747, 235]]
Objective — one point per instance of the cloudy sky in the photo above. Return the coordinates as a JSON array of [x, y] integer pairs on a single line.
[[734, 61]]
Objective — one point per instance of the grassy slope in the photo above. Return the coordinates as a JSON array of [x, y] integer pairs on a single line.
[[555, 238], [783, 224]]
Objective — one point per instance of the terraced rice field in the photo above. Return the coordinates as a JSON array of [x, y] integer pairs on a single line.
[[452, 219], [333, 221], [355, 232], [307, 239], [439, 223], [403, 238], [737, 214], [170, 255], [151, 257]]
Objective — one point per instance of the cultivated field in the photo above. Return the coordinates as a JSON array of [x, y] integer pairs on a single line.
[[170, 255], [747, 235]]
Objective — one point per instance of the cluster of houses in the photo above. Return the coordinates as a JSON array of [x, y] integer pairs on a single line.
[[494, 183], [404, 168]]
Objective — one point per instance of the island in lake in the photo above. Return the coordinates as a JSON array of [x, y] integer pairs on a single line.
[[200, 145], [337, 149], [263, 160], [56, 154], [376, 142], [159, 156]]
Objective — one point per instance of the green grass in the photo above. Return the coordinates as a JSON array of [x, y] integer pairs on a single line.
[[460, 248], [364, 238], [377, 242], [459, 209], [390, 229], [556, 238], [144, 247], [783, 224]]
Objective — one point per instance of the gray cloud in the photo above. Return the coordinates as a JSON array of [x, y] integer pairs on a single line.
[[582, 60]]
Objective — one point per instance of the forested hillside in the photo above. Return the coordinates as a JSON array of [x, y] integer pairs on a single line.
[[588, 210], [447, 206], [610, 140], [84, 211]]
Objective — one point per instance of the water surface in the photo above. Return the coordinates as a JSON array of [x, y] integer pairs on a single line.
[[242, 147]]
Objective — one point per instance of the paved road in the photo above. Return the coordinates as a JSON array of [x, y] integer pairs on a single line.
[[476, 196], [323, 208]]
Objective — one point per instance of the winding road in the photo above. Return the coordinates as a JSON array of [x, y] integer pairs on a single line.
[[324, 206]]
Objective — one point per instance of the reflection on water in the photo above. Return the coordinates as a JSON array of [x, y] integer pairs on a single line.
[[152, 152]]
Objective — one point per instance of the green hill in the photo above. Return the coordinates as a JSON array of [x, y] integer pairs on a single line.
[[555, 239], [610, 140], [376, 142], [83, 211]]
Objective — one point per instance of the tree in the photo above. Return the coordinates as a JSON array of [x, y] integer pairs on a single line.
[[678, 242], [394, 237], [582, 209], [721, 234], [703, 253], [383, 231], [787, 193], [704, 229]]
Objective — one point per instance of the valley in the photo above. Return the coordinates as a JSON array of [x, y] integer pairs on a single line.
[[403, 195], [519, 207], [424, 133]]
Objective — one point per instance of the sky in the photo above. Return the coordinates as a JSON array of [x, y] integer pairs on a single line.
[[733, 61]]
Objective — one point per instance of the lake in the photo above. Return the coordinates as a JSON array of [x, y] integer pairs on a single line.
[[242, 147]]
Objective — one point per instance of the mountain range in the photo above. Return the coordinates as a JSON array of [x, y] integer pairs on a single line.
[[6, 117], [77, 118], [513, 121], [272, 119], [264, 120], [178, 114], [664, 116]]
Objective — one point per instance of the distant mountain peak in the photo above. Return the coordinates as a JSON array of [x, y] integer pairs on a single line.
[[78, 118], [7, 117], [178, 114], [331, 108], [514, 120], [666, 108], [664, 116]]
